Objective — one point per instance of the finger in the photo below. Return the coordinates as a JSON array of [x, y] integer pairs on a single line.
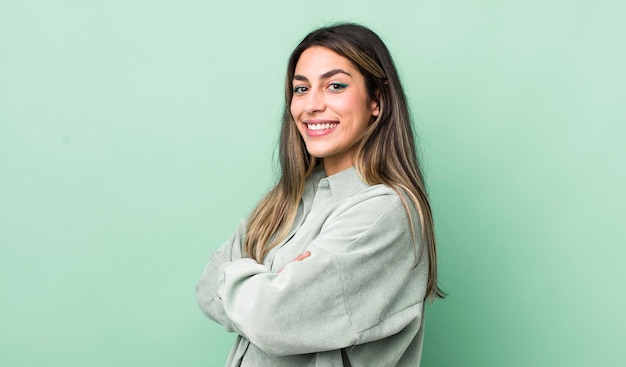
[[302, 256]]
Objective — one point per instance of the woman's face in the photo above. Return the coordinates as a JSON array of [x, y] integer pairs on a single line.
[[330, 106]]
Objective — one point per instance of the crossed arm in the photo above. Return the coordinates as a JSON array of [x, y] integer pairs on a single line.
[[356, 283]]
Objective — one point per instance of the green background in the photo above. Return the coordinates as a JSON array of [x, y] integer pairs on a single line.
[[135, 134]]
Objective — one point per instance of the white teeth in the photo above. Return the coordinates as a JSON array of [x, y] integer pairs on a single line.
[[321, 126]]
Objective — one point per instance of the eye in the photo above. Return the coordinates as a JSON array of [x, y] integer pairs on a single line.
[[337, 87], [299, 89]]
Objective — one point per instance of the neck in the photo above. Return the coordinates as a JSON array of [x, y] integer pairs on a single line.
[[332, 167]]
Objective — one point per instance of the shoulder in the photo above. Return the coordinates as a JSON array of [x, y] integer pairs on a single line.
[[358, 201], [349, 188], [378, 204], [376, 196]]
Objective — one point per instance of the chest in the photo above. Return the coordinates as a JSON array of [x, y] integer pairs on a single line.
[[308, 225]]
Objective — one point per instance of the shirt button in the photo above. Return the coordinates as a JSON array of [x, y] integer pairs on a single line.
[[324, 183]]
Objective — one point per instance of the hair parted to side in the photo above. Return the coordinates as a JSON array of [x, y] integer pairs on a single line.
[[386, 154]]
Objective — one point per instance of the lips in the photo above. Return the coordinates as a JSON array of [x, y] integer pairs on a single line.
[[318, 128]]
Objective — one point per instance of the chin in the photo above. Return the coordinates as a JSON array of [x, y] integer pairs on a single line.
[[318, 153]]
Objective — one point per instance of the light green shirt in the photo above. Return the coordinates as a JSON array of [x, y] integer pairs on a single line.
[[359, 293]]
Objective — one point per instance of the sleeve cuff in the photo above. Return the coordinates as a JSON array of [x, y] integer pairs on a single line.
[[232, 272]]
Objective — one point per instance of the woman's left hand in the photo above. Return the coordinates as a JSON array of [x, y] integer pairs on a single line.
[[300, 257]]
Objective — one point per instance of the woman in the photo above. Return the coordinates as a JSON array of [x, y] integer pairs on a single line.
[[333, 266]]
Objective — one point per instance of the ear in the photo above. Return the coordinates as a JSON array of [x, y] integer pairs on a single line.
[[375, 105], [375, 109]]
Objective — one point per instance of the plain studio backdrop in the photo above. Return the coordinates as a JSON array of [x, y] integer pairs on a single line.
[[135, 134]]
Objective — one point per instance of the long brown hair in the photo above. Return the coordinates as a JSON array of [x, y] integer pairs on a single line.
[[386, 154]]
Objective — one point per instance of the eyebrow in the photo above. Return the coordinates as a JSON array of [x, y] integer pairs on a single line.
[[326, 75]]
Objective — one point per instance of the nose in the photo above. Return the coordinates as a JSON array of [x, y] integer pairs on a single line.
[[314, 101]]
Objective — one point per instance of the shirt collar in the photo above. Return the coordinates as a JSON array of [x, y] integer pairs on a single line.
[[342, 184]]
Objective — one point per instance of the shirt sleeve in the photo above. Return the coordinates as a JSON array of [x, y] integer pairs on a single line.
[[359, 284], [206, 290]]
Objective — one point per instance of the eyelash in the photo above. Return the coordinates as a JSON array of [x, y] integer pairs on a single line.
[[299, 89], [333, 87], [337, 86]]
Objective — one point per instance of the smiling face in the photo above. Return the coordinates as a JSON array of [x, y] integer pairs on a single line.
[[330, 106]]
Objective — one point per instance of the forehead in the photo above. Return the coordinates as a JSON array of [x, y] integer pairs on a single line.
[[317, 60]]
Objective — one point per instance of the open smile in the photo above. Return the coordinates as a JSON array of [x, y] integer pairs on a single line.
[[320, 126]]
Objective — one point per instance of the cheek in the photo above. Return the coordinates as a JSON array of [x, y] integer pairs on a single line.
[[349, 102], [352, 107], [295, 111], [295, 108]]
